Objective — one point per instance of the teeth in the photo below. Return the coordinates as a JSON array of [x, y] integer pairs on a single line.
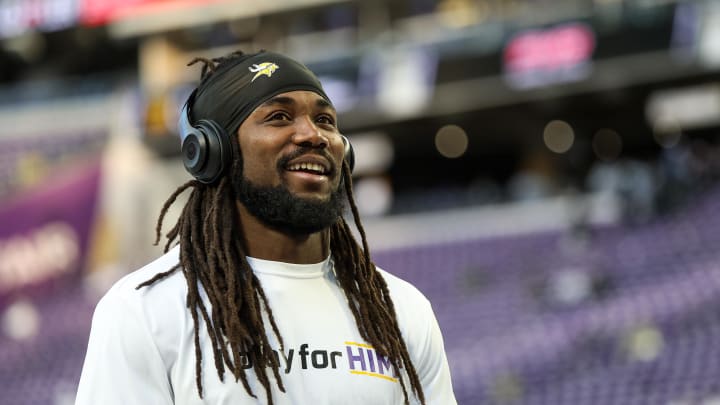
[[307, 166]]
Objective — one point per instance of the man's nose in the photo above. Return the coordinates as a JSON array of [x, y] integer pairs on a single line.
[[308, 134]]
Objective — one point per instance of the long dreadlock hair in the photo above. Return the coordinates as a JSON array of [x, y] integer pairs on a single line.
[[213, 258]]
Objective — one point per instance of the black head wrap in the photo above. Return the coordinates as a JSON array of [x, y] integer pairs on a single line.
[[235, 89]]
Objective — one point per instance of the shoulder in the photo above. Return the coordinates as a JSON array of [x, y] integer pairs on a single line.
[[133, 341], [127, 287], [144, 321], [406, 297], [154, 302]]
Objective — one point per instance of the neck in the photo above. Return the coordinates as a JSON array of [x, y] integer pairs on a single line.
[[267, 243]]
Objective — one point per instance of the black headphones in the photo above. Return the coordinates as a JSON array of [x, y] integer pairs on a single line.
[[207, 151]]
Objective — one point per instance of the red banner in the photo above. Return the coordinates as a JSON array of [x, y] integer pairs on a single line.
[[98, 12]]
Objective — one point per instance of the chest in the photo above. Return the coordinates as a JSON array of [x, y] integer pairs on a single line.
[[324, 360]]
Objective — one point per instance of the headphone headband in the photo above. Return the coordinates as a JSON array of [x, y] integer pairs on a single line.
[[184, 126]]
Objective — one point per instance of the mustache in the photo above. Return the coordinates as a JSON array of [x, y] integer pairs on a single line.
[[305, 150]]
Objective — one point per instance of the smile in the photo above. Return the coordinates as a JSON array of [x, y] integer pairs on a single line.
[[313, 168]]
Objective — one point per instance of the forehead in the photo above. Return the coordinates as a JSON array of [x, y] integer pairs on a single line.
[[297, 98]]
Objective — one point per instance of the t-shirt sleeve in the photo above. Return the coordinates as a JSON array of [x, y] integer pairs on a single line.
[[424, 340], [122, 365], [431, 363]]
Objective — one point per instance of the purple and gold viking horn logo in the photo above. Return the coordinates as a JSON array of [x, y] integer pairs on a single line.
[[263, 69]]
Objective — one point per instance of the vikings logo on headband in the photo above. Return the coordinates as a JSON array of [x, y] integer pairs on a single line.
[[206, 147], [265, 68]]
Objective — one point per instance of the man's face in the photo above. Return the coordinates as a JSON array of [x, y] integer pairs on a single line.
[[292, 156], [292, 140]]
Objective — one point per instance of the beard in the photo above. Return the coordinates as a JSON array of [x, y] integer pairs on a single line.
[[278, 208]]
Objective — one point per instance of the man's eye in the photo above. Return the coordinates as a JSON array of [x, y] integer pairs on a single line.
[[324, 119], [279, 116]]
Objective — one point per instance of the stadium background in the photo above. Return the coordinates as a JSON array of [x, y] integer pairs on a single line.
[[546, 172]]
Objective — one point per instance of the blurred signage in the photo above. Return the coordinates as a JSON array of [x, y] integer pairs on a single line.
[[18, 16], [45, 233], [684, 108], [98, 12], [541, 57], [709, 47], [404, 80]]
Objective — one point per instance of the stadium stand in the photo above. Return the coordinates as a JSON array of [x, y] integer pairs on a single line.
[[611, 314]]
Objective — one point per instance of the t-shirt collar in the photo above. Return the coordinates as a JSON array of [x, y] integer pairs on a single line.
[[291, 270]]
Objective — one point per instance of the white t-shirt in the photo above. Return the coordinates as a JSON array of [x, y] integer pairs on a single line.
[[142, 351]]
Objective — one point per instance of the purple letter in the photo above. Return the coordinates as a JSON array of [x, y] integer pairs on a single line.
[[382, 361], [353, 358]]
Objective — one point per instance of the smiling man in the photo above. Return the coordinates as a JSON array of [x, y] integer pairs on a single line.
[[263, 295]]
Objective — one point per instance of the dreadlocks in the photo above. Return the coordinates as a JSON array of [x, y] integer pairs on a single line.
[[213, 258]]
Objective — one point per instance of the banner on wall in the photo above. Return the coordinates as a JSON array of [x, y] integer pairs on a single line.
[[44, 233], [18, 16], [542, 57], [98, 12]]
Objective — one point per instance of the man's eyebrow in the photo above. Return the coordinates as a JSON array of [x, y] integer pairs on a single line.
[[321, 102], [289, 101], [279, 100]]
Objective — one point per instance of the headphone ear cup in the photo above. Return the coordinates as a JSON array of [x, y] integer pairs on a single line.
[[194, 152], [206, 151], [219, 151], [349, 153]]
